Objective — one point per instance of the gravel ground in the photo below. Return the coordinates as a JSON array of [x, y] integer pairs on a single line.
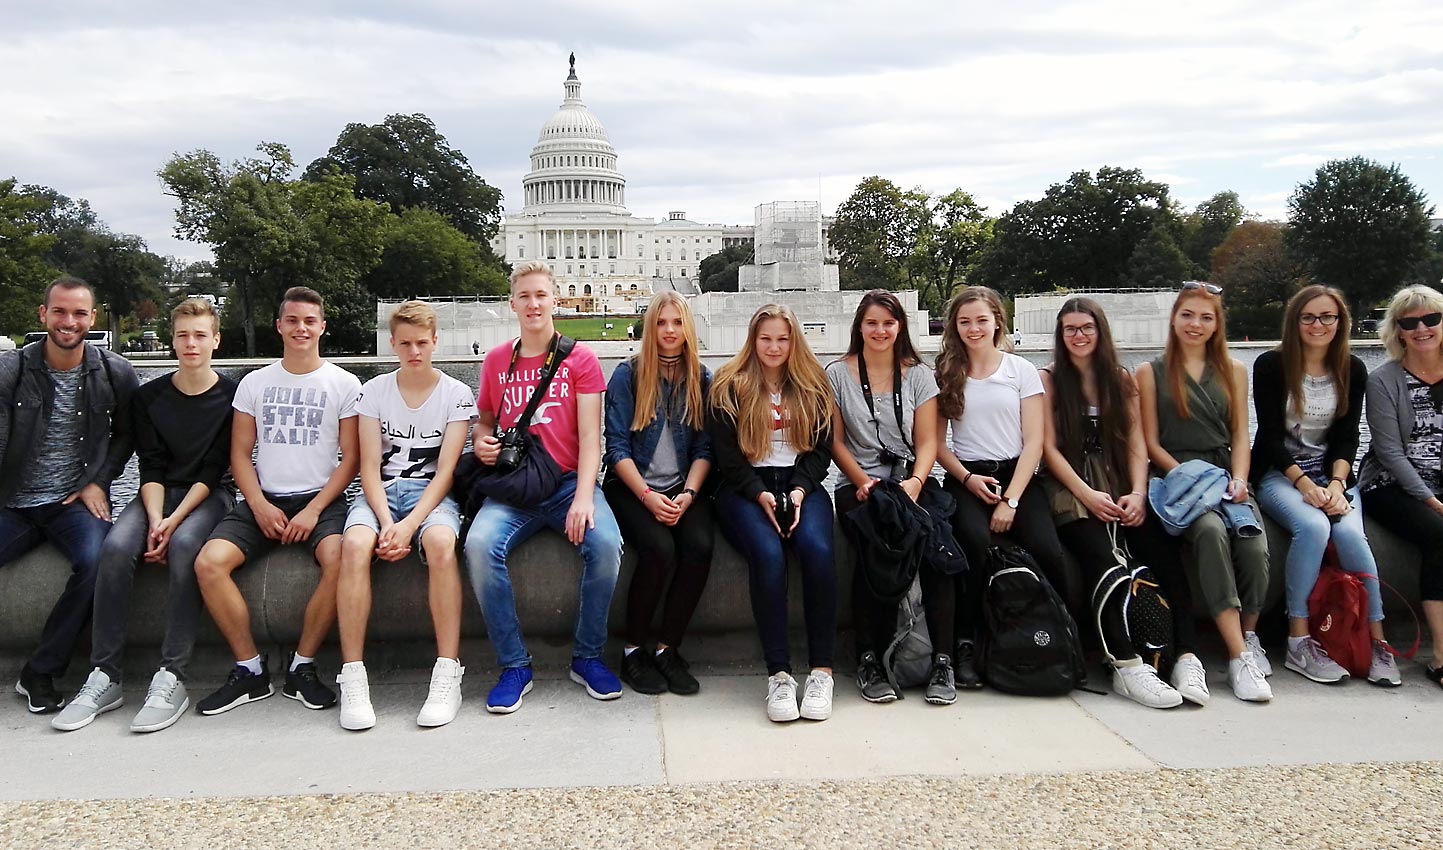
[[1326, 806]]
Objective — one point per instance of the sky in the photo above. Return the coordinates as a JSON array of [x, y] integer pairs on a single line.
[[715, 108]]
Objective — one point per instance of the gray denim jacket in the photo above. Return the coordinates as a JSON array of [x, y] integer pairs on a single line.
[[107, 384]]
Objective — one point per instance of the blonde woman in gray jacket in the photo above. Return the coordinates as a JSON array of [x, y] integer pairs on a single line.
[[1401, 480]]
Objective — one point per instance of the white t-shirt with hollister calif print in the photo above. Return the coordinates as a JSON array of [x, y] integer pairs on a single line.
[[411, 436], [555, 420], [298, 424]]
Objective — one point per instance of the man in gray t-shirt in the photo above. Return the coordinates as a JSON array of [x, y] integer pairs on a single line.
[[64, 437]]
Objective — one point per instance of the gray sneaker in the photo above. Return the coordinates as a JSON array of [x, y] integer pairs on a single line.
[[1383, 671], [1312, 661], [872, 682], [97, 696], [942, 683], [165, 702]]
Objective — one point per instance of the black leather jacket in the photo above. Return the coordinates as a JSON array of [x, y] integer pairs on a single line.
[[107, 385]]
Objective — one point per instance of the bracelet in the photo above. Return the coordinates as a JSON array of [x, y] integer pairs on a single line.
[[965, 477], [911, 478], [1294, 481], [644, 494], [1342, 481], [1135, 493], [690, 492]]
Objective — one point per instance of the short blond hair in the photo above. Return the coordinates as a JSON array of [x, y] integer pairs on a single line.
[[417, 313], [1406, 300], [196, 307], [521, 270]]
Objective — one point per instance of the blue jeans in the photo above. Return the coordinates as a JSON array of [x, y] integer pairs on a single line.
[[78, 535], [1311, 530], [747, 528], [499, 528]]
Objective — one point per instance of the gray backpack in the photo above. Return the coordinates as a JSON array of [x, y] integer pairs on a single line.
[[908, 659]]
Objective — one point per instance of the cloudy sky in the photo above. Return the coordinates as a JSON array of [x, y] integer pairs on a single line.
[[717, 107]]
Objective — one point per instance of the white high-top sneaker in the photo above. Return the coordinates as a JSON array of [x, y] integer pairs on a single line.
[[444, 699], [356, 711]]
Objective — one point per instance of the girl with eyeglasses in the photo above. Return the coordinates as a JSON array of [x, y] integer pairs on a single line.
[[1194, 407], [1401, 480], [1095, 453], [991, 401], [1308, 394]]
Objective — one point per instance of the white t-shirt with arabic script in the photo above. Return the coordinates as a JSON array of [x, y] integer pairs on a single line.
[[411, 436]]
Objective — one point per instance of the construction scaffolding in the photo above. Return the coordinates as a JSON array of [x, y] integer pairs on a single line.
[[789, 250]]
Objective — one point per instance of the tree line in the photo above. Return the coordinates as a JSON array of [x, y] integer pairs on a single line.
[[1356, 224], [391, 211]]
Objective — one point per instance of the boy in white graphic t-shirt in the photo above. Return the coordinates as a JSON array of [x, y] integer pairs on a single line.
[[413, 424]]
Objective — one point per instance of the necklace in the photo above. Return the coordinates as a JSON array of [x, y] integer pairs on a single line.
[[669, 360]]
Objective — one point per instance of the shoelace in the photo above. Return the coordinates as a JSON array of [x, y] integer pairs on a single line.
[[441, 687], [92, 691], [1193, 677], [1152, 684], [1250, 662], [782, 691], [1383, 656], [160, 695], [942, 676], [816, 689], [353, 693]]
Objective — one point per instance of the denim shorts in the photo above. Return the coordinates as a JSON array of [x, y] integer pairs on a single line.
[[402, 494]]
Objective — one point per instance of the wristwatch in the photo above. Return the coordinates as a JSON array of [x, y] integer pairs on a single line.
[[1012, 503]]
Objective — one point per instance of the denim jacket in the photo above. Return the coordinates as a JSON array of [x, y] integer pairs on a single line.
[[107, 386], [1192, 489], [640, 446]]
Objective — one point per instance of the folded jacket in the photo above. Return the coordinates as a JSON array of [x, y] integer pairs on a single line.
[[1192, 489]]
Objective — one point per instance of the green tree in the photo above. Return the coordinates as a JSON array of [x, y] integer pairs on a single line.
[[1359, 226], [1257, 275], [876, 233], [405, 163], [719, 272], [423, 255], [1429, 270], [947, 247], [1082, 233], [1157, 262], [1205, 228], [23, 248]]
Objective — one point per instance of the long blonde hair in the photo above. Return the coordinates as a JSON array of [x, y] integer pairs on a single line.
[[1215, 353], [738, 391], [953, 360], [646, 366]]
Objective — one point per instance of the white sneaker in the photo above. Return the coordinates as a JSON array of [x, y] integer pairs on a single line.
[[356, 711], [1139, 682], [782, 698], [1190, 680], [1249, 683], [817, 696], [444, 698], [1312, 661], [1260, 655]]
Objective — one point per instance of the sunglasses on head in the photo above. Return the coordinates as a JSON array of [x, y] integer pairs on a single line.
[[1209, 288], [1410, 323]]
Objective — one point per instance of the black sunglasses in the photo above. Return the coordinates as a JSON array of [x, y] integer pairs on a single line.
[[1209, 288], [1410, 323]]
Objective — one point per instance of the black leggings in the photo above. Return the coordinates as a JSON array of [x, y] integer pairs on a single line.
[[1089, 543], [1032, 528], [1152, 546], [875, 621], [1411, 519], [682, 551]]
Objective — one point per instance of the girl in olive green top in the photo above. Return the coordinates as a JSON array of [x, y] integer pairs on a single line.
[[1194, 407]]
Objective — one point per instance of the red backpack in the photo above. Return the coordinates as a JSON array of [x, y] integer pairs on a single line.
[[1338, 616]]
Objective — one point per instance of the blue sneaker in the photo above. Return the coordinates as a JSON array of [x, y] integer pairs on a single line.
[[600, 682], [515, 683]]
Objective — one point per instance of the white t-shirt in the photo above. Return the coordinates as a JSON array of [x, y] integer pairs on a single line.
[[991, 423], [411, 436], [783, 453], [298, 424]]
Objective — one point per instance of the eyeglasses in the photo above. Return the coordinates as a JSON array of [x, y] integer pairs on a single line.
[[1209, 288], [1079, 330], [1410, 323], [1324, 319]]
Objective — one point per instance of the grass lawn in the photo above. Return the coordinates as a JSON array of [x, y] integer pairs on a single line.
[[589, 329]]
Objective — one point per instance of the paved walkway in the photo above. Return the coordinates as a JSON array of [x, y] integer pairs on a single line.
[[710, 770]]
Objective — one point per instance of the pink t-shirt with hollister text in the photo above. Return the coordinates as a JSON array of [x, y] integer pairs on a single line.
[[555, 420]]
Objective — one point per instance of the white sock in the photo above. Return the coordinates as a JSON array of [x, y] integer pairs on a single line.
[[1296, 643], [629, 650], [251, 664], [298, 659]]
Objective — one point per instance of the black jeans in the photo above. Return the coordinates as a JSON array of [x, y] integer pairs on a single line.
[[1152, 546], [1417, 523], [1032, 528], [118, 559], [875, 621], [1088, 541], [682, 552]]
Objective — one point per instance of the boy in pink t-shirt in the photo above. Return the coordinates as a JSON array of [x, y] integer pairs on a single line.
[[568, 423]]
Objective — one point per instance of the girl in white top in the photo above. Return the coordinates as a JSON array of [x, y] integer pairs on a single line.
[[992, 402]]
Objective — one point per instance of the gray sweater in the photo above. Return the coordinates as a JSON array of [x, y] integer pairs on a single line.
[[1390, 421]]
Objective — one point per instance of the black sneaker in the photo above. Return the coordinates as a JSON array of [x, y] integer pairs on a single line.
[[964, 667], [676, 671], [303, 685], [241, 687], [872, 682], [39, 691], [638, 671]]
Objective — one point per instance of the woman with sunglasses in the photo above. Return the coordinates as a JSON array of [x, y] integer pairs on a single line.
[[1194, 407], [1308, 393], [1400, 480], [1098, 463]]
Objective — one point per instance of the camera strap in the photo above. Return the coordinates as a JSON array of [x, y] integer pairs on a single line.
[[561, 346], [896, 399]]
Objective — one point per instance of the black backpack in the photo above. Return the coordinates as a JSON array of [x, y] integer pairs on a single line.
[[1029, 644], [1146, 613]]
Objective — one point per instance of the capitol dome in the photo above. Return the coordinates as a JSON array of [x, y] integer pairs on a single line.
[[573, 164]]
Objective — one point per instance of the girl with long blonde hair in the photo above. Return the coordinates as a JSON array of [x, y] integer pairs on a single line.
[[771, 430], [658, 456]]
